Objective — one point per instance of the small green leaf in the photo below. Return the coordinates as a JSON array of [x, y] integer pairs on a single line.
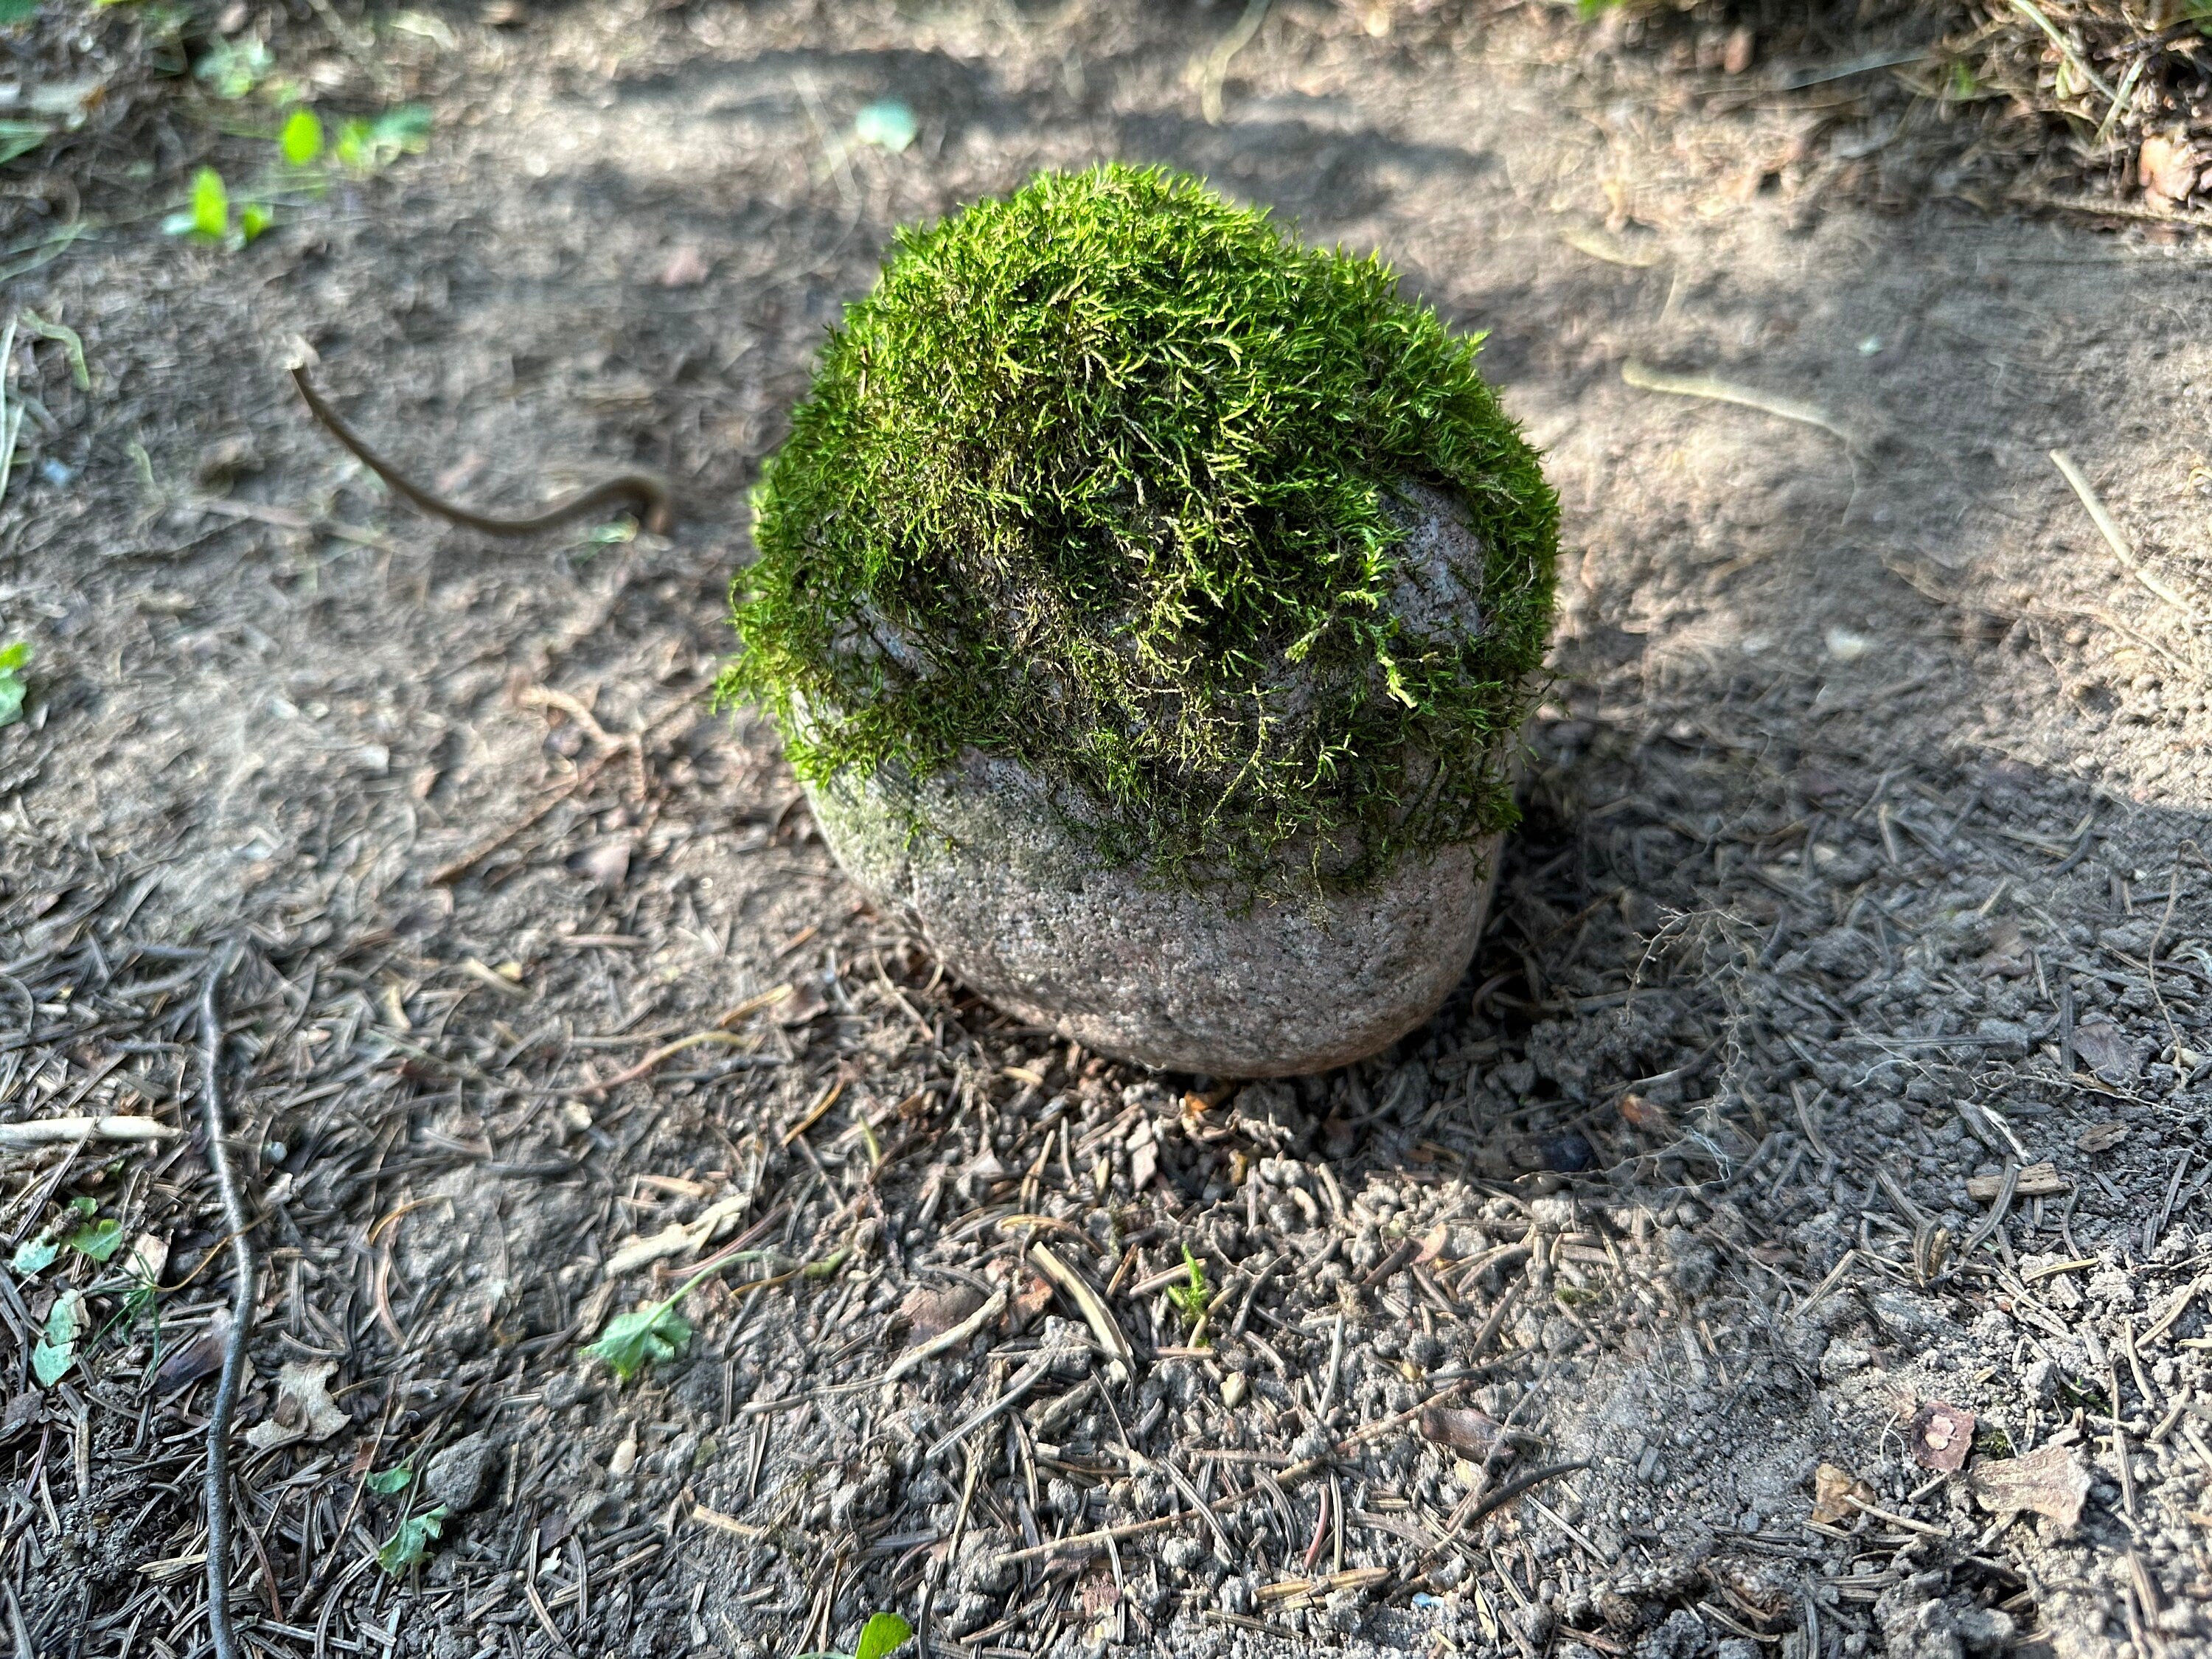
[[12, 688], [85, 1206], [385, 1482], [232, 69], [17, 11], [889, 123], [35, 1255], [57, 1347], [406, 1547], [252, 220], [301, 140], [209, 218], [98, 1239], [645, 1336], [882, 1634], [21, 138], [367, 145], [406, 129]]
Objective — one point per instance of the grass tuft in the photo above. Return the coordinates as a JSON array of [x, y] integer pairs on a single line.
[[1100, 479]]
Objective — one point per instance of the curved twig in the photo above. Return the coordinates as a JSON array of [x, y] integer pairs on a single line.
[[648, 493], [220, 1634], [1513, 1489]]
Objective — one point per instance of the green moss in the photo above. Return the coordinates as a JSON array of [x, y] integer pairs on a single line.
[[1100, 478]]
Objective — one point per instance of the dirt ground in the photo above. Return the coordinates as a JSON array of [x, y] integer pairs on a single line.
[[1865, 858]]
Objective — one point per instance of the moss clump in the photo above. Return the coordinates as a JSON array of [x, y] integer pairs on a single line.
[[1100, 479]]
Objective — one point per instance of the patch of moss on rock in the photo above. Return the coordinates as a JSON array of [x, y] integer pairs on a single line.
[[1112, 479]]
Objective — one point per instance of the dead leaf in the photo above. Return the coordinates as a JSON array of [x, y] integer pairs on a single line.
[[2049, 1480], [1941, 1435], [145, 1258], [931, 1311], [802, 1007], [1736, 55], [1433, 1244], [2167, 167], [1031, 1298], [304, 1410], [2101, 1137], [1144, 1163], [1646, 1116], [201, 1356], [22, 1412], [2109, 1053], [1832, 1490], [606, 864], [1098, 1594], [1462, 1430], [2007, 956], [2036, 1180]]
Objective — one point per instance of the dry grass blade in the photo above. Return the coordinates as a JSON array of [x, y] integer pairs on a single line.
[[993, 1305], [1206, 71], [1121, 1357], [1646, 379], [2067, 49], [2115, 538]]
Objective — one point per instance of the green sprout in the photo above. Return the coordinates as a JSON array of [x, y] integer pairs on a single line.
[[1193, 1295], [385, 1482], [208, 219], [646, 1336], [12, 688], [98, 1239]]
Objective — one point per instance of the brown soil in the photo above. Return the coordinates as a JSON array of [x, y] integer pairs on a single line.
[[1865, 855]]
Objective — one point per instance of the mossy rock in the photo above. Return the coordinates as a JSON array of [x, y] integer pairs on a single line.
[[1125, 545]]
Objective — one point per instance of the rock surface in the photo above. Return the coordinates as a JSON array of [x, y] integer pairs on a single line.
[[1021, 910]]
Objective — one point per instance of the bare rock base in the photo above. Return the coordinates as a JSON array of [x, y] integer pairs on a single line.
[[1015, 906]]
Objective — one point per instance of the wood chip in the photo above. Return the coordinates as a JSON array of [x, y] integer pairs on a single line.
[[1462, 1430], [1835, 1492], [2049, 1480], [60, 1131], [2036, 1180], [993, 1305], [1941, 1435]]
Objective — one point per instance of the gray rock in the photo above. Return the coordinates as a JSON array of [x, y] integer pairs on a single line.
[[456, 1477], [1682, 1637], [1015, 903]]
